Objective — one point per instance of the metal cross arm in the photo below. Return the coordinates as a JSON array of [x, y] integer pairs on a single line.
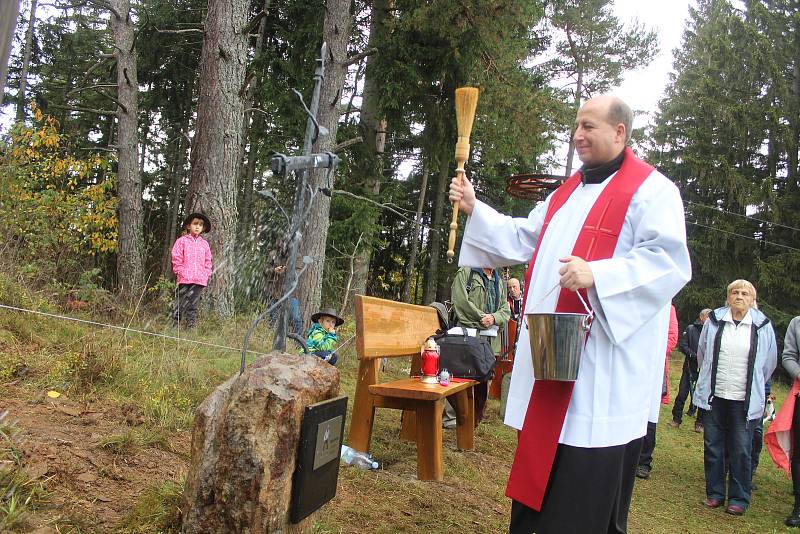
[[283, 164]]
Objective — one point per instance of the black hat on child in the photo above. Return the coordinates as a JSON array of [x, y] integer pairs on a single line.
[[330, 312], [197, 215]]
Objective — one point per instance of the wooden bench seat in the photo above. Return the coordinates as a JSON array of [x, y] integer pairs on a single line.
[[386, 328]]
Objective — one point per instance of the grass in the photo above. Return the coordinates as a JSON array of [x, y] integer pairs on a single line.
[[392, 500], [156, 510], [164, 380], [18, 492]]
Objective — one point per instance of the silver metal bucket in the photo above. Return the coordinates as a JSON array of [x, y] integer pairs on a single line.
[[557, 341]]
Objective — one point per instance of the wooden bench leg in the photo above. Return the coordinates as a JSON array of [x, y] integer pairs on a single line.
[[429, 440], [465, 419], [408, 427], [363, 416]]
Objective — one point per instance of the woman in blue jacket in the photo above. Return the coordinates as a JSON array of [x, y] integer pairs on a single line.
[[736, 355]]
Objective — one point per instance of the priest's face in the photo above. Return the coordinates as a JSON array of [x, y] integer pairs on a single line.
[[597, 141]]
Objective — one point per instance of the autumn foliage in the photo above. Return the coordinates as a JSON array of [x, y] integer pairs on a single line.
[[55, 206]]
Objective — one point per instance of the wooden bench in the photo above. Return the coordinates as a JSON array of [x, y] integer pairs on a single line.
[[385, 328]]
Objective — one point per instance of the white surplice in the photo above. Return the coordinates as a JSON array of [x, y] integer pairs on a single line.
[[622, 366]]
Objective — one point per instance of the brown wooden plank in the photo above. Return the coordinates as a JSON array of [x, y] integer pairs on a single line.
[[429, 440], [385, 328], [412, 388], [393, 403], [363, 415]]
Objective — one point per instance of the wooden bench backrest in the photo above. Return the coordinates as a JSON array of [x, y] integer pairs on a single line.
[[385, 328]]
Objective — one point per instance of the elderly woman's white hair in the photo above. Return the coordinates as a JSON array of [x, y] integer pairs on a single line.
[[741, 283]]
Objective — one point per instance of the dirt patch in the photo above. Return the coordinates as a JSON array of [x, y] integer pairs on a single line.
[[91, 458]]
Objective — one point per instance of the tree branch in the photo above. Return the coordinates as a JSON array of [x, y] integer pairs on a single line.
[[358, 57], [117, 102], [246, 83], [254, 22], [350, 142], [391, 207], [85, 110], [106, 5], [187, 30], [98, 86], [106, 58], [248, 110]]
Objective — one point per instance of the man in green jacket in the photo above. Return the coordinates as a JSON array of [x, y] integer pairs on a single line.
[[479, 300]]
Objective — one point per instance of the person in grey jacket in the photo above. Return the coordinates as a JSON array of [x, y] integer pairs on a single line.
[[791, 362], [736, 355]]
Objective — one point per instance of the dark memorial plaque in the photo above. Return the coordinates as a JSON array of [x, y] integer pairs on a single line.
[[317, 471]]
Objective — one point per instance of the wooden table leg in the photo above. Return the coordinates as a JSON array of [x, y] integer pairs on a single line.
[[429, 440], [408, 426], [465, 418]]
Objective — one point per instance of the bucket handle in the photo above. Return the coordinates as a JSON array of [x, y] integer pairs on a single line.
[[586, 323]]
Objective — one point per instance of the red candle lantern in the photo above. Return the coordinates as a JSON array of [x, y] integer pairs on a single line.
[[430, 362]]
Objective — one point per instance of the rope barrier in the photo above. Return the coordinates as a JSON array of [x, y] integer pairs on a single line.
[[127, 329], [743, 236]]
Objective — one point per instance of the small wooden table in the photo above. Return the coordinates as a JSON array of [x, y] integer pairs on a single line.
[[385, 328]]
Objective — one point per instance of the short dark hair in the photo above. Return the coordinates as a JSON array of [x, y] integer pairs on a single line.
[[620, 112]]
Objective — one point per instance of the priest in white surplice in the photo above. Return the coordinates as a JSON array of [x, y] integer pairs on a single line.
[[616, 232]]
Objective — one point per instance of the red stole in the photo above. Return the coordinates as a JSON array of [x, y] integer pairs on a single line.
[[547, 408]]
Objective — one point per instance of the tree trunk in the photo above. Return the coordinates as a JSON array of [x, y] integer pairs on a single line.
[[9, 9], [252, 121], [571, 150], [373, 131], [26, 61], [177, 164], [217, 141], [793, 146], [437, 226], [415, 236], [336, 32], [130, 253]]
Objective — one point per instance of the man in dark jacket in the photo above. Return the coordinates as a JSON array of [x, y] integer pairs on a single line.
[[688, 346]]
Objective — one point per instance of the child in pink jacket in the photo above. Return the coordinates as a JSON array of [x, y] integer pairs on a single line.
[[191, 262]]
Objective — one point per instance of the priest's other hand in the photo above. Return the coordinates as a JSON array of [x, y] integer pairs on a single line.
[[463, 193], [575, 273]]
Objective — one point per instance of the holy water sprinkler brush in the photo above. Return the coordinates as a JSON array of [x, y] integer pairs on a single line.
[[466, 102]]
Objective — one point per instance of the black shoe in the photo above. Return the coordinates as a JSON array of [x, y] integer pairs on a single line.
[[794, 518], [643, 472]]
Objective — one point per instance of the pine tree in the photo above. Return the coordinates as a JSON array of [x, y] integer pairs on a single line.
[[217, 142], [595, 49], [720, 133]]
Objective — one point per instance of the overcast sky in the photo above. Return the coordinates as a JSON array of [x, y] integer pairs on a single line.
[[643, 88]]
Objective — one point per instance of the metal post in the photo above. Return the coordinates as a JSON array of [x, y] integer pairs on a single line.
[[312, 129]]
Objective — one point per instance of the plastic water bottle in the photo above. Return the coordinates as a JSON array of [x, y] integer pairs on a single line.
[[361, 460]]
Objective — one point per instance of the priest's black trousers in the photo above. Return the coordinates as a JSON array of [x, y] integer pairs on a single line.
[[589, 492]]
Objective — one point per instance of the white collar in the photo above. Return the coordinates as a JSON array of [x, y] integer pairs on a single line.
[[747, 319]]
